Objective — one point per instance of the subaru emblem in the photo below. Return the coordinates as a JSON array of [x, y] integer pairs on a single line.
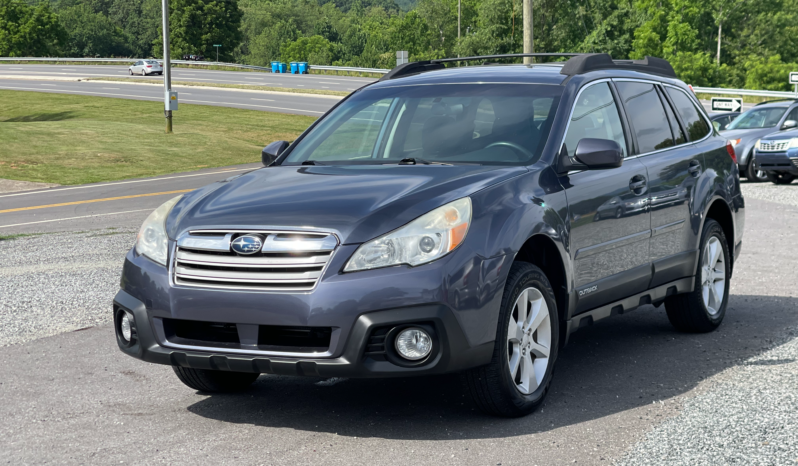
[[248, 244]]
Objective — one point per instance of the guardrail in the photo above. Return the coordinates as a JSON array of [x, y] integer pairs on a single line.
[[192, 62], [745, 92]]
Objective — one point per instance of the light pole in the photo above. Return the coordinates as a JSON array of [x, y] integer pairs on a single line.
[[167, 70], [529, 37]]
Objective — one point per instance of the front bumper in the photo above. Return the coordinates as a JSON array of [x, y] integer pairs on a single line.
[[782, 162], [454, 352], [458, 296]]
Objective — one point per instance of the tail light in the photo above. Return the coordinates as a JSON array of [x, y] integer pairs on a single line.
[[149, 66], [691, 88], [730, 150]]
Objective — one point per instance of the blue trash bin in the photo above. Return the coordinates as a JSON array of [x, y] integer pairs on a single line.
[[294, 67], [275, 67], [283, 68], [303, 67]]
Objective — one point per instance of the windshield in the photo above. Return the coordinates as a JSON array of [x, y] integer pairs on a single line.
[[504, 124], [758, 118]]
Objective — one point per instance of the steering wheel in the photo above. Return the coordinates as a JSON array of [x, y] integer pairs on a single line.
[[512, 145]]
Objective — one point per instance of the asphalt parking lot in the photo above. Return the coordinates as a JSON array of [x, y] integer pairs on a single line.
[[630, 390]]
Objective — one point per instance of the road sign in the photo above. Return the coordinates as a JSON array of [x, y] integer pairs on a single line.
[[726, 104], [217, 45], [794, 77]]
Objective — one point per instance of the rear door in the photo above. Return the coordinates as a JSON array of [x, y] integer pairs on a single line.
[[608, 215], [664, 128]]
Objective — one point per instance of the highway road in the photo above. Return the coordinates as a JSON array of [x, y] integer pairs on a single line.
[[121, 204], [302, 104], [306, 81]]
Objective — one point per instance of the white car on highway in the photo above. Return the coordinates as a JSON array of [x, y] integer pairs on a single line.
[[145, 67]]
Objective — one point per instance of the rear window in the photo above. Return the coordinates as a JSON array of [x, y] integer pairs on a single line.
[[505, 124], [646, 116], [697, 127], [152, 62]]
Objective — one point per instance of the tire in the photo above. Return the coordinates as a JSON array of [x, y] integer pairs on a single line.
[[699, 311], [130, 72], [144, 72], [494, 389], [781, 178], [754, 175], [618, 212], [215, 381]]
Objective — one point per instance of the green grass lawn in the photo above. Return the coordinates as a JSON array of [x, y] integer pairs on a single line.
[[69, 139]]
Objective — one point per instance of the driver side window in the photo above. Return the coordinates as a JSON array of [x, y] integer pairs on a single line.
[[595, 115]]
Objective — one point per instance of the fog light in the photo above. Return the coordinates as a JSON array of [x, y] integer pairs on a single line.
[[125, 327], [413, 344]]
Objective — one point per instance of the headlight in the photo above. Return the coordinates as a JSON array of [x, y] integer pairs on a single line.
[[758, 146], [152, 240], [429, 237], [793, 143]]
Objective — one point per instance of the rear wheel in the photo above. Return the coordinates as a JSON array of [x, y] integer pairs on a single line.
[[703, 309], [517, 379], [780, 178], [144, 72], [754, 175], [215, 381]]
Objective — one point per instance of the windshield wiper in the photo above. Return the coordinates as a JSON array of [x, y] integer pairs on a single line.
[[415, 161]]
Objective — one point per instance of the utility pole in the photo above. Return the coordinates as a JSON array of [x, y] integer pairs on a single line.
[[167, 68], [529, 37]]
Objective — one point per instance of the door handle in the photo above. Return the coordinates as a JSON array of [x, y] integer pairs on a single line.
[[638, 184], [694, 168]]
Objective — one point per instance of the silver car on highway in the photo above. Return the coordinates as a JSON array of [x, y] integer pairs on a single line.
[[756, 123], [145, 67]]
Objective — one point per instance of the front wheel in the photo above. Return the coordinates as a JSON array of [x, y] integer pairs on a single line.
[[130, 72], [781, 178], [754, 175], [517, 379], [702, 310], [215, 381]]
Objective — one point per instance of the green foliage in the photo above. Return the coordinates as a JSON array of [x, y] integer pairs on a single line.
[[758, 40], [27, 31], [196, 25]]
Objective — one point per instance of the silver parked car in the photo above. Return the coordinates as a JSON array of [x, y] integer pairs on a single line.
[[756, 123], [145, 67]]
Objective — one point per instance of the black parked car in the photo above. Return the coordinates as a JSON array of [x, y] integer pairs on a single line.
[[445, 220]]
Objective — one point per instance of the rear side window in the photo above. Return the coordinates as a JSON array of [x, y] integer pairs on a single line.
[[596, 116], [697, 127], [646, 116], [675, 128]]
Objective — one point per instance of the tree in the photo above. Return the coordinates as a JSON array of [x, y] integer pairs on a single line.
[[26, 31], [196, 25], [92, 34]]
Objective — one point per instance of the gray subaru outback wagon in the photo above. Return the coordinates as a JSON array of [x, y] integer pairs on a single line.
[[445, 219]]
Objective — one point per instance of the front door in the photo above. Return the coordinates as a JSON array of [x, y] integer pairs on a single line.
[[609, 219]]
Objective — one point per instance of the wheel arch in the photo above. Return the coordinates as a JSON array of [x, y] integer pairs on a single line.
[[542, 251], [720, 211]]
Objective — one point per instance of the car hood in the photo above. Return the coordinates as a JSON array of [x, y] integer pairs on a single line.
[[775, 136], [357, 202], [745, 134]]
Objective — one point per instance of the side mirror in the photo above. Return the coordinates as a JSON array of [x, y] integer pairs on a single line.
[[789, 124], [272, 151], [598, 154]]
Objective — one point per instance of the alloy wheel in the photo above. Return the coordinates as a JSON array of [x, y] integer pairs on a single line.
[[529, 340], [713, 276]]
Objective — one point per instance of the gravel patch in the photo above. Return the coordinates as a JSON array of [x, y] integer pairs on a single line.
[[783, 194], [746, 417], [11, 186], [56, 283]]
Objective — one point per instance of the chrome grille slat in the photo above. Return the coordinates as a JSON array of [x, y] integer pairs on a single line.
[[288, 260], [244, 261]]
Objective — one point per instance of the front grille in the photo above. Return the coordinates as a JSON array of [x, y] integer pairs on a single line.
[[294, 339], [288, 261], [794, 162], [773, 146]]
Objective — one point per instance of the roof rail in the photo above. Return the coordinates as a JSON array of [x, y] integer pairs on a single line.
[[602, 61], [579, 63], [786, 99]]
